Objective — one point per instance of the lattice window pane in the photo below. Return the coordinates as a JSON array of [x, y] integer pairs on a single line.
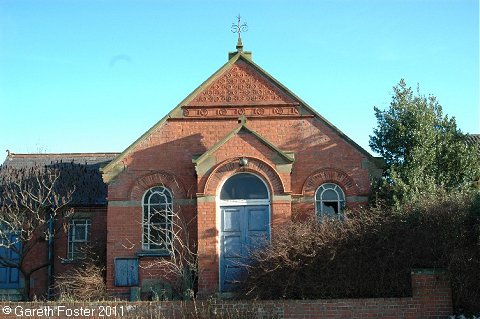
[[78, 238], [157, 219], [330, 200]]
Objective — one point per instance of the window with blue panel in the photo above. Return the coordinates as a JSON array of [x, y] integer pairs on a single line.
[[126, 272]]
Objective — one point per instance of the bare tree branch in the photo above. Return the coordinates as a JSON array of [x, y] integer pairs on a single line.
[[30, 199]]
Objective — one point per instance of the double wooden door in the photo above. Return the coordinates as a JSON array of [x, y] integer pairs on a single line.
[[243, 229]]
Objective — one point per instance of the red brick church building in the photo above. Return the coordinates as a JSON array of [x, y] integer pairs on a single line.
[[238, 156]]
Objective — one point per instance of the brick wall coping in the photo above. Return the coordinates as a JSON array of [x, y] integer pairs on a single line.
[[431, 298], [407, 308]]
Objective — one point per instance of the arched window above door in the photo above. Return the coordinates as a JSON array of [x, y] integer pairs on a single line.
[[244, 186]]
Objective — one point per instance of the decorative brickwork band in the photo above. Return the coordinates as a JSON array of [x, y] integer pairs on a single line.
[[255, 165], [250, 111], [332, 175], [158, 178]]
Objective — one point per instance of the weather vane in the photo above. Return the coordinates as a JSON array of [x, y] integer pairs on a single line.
[[239, 28]]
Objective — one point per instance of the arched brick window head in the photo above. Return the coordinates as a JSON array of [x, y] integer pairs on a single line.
[[157, 206], [329, 201]]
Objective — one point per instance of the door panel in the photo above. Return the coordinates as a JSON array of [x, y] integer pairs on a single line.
[[257, 218], [258, 227], [232, 246], [233, 219], [257, 241], [243, 228], [232, 274]]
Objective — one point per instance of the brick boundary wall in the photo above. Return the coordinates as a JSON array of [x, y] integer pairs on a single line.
[[431, 298]]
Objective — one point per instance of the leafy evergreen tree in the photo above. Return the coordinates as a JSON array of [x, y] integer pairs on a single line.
[[423, 150]]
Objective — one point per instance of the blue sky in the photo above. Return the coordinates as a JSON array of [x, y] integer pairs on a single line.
[[92, 76]]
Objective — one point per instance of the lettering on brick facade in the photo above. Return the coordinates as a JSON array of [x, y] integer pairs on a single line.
[[278, 110], [229, 111], [259, 111]]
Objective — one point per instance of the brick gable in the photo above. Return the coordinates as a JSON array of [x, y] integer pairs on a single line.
[[239, 112]]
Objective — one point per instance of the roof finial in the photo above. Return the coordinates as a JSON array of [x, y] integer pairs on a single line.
[[239, 28]]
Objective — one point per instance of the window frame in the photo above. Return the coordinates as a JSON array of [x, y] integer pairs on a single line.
[[341, 200], [72, 253], [166, 228], [242, 202], [224, 194]]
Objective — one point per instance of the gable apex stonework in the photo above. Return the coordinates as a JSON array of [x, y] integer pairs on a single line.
[[242, 85], [242, 88]]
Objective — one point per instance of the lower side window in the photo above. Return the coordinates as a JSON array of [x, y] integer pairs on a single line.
[[78, 238]]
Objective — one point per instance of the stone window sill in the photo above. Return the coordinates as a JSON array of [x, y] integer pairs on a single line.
[[70, 261], [154, 253]]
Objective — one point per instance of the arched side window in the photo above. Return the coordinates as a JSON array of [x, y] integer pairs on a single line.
[[157, 219], [329, 201]]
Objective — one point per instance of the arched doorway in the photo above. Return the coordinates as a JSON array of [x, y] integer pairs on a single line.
[[244, 224]]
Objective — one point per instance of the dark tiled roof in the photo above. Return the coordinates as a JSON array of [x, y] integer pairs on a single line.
[[79, 169], [474, 139]]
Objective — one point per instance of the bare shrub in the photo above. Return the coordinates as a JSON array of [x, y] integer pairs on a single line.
[[328, 259], [86, 281], [371, 253], [82, 284]]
